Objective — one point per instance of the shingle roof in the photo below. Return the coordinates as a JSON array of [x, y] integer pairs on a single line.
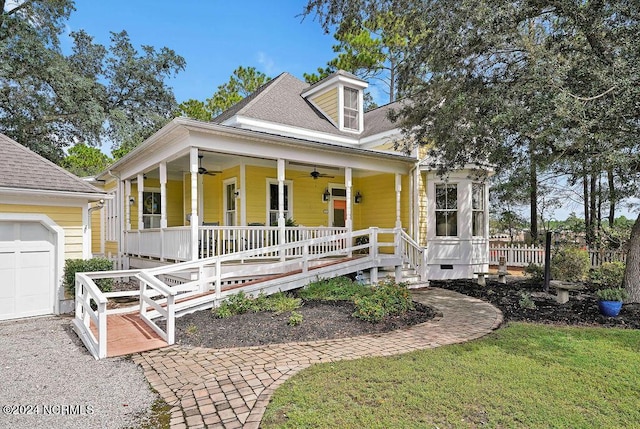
[[20, 168], [279, 101]]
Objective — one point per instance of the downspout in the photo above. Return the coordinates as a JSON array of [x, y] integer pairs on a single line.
[[88, 229]]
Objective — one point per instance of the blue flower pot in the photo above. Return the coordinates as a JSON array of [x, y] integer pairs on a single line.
[[610, 308]]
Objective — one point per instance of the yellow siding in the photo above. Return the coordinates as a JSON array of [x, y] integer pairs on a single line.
[[96, 231], [111, 248], [256, 193], [211, 201], [378, 207], [422, 209], [175, 213], [308, 207], [327, 102], [68, 218]]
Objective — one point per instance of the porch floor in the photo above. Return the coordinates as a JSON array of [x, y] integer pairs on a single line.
[[127, 334]]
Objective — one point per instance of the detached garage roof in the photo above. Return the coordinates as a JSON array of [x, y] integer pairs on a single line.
[[20, 168]]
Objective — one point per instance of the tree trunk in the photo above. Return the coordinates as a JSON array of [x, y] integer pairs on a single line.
[[612, 197], [632, 271], [587, 215], [591, 236], [533, 197]]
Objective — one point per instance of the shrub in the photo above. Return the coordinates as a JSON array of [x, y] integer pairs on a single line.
[[335, 289], [526, 301], [239, 303], [386, 299], [609, 274], [73, 266], [612, 294], [536, 272], [570, 264], [295, 318], [281, 303]]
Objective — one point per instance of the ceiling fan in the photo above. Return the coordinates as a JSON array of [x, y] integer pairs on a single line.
[[315, 174], [202, 170]]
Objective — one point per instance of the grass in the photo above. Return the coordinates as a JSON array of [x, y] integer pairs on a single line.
[[521, 376]]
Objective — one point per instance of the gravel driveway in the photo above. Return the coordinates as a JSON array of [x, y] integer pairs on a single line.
[[49, 380]]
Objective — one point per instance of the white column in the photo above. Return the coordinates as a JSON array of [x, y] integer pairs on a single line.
[[163, 195], [140, 202], [243, 193], [281, 219], [127, 204], [195, 222], [348, 183], [398, 200]]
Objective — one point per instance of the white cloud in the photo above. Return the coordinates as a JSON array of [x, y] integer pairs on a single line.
[[267, 63]]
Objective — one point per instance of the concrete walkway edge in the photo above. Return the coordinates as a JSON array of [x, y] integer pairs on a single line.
[[230, 388]]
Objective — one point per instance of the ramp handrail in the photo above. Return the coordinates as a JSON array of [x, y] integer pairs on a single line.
[[412, 253], [150, 287], [87, 292]]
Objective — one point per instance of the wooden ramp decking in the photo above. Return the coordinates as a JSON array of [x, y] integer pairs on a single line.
[[127, 334]]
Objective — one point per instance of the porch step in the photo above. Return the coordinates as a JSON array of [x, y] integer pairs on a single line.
[[409, 276]]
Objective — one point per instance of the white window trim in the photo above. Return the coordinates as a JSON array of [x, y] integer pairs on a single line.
[[225, 183], [155, 191], [289, 185], [436, 210]]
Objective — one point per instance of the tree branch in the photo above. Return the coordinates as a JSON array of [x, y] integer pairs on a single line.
[[595, 97]]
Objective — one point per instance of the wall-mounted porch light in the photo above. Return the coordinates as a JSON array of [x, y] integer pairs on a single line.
[[326, 195], [132, 201], [357, 198]]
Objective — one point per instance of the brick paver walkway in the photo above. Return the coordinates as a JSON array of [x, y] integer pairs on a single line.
[[230, 388]]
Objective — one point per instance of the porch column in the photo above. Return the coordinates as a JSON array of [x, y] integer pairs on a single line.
[[243, 193], [140, 201], [127, 204], [398, 200], [281, 219], [193, 169], [163, 195], [347, 184]]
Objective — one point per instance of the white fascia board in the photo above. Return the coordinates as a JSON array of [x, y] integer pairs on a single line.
[[380, 139], [36, 195], [286, 130], [331, 82]]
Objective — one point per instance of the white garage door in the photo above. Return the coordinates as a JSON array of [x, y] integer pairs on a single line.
[[27, 270]]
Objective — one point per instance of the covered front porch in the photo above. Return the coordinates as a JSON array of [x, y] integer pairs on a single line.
[[216, 193]]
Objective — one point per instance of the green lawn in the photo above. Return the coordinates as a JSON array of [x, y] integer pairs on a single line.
[[521, 376]]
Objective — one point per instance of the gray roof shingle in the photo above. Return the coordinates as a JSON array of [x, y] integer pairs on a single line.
[[280, 101], [20, 168]]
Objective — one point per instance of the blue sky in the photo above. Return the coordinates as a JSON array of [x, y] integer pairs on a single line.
[[214, 36]]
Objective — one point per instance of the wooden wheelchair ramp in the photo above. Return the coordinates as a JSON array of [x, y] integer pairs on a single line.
[[127, 334]]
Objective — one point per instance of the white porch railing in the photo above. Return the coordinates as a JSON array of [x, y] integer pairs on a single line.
[[413, 253], [174, 244], [151, 287], [523, 255]]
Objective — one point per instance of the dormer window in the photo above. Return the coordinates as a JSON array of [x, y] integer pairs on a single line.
[[351, 109]]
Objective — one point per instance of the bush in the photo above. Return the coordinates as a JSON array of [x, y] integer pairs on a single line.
[[295, 318], [335, 289], [73, 266], [609, 274], [612, 294], [281, 303], [239, 303], [386, 299], [570, 264], [536, 272]]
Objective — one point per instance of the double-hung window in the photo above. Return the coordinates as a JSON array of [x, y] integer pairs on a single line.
[[273, 202], [446, 209], [351, 109], [477, 204], [151, 209]]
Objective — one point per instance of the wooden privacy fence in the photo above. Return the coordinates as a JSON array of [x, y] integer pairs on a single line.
[[523, 255]]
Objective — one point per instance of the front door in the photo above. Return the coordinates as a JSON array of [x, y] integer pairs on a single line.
[[339, 213]]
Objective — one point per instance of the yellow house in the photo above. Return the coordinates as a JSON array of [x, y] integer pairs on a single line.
[[44, 219], [291, 160]]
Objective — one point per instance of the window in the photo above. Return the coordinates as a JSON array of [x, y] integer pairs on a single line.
[[446, 210], [230, 204], [110, 213], [151, 209], [351, 110], [477, 204], [273, 203]]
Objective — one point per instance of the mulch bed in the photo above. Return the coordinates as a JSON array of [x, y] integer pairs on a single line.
[[330, 320], [581, 310], [321, 320]]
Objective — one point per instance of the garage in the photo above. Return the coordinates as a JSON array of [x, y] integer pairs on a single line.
[[28, 268]]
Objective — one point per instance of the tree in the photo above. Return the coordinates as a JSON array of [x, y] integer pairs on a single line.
[[557, 81], [49, 101], [243, 82], [83, 160], [372, 50]]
